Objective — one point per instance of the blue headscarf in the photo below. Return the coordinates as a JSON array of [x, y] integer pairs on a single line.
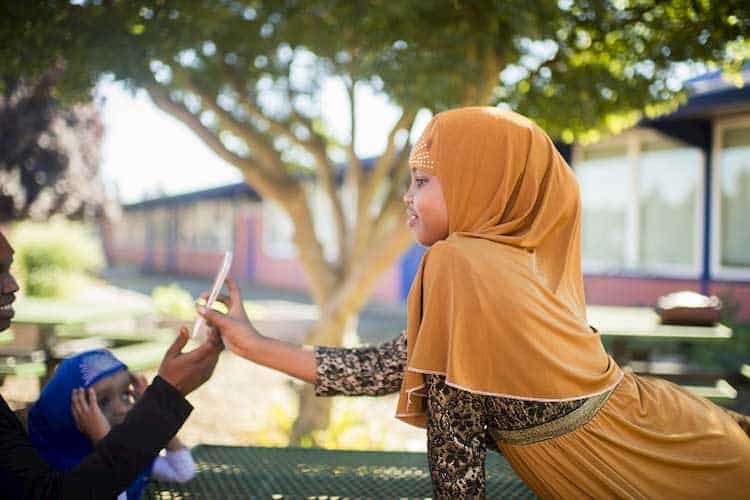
[[52, 428]]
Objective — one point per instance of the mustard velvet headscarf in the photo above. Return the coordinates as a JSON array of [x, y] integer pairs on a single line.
[[498, 307]]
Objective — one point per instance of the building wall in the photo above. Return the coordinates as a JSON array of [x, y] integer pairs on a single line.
[[251, 261], [639, 291], [287, 273]]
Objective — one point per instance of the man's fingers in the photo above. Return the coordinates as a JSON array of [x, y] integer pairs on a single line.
[[213, 317], [176, 348], [215, 338]]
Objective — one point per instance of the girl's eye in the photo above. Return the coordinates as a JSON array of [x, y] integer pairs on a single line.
[[420, 182], [103, 402]]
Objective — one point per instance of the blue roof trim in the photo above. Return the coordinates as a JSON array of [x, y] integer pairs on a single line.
[[236, 190]]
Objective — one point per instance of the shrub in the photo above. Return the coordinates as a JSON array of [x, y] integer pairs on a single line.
[[55, 258], [174, 302]]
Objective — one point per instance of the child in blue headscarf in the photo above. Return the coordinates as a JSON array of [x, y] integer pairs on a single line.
[[87, 395]]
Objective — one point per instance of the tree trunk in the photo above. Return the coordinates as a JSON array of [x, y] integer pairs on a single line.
[[314, 412]]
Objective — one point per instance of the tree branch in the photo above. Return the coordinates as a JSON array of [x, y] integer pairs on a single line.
[[315, 144], [393, 162], [270, 158], [251, 169], [291, 196]]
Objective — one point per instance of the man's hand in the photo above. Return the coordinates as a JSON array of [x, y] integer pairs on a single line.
[[188, 371], [89, 419]]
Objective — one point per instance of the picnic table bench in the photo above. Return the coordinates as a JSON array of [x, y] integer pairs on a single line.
[[234, 472], [45, 331]]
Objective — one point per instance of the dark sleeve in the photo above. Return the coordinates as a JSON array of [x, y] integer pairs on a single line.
[[117, 460], [365, 371], [456, 440]]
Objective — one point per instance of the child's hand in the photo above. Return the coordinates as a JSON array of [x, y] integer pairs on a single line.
[[89, 418], [139, 383]]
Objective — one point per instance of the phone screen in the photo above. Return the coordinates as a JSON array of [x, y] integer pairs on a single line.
[[199, 334]]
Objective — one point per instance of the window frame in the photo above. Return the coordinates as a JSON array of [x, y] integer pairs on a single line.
[[717, 269], [633, 141]]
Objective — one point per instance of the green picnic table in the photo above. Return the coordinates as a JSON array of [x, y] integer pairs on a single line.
[[621, 326], [246, 472], [644, 323]]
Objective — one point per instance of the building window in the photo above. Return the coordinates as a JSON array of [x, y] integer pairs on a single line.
[[278, 232], [734, 202], [641, 205], [278, 228], [601, 176], [668, 203], [206, 225]]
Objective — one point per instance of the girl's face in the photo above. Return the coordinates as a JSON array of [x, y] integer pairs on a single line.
[[114, 396], [427, 214]]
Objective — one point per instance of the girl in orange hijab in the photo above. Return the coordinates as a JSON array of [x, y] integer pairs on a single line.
[[497, 347]]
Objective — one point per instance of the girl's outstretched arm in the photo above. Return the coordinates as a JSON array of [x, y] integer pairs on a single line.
[[241, 337], [364, 371], [361, 371]]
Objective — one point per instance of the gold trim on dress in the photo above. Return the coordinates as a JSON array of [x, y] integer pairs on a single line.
[[563, 425]]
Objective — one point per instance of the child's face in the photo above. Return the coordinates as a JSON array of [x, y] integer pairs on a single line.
[[114, 396], [427, 214]]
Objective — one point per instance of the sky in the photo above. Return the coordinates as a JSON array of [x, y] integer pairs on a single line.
[[146, 152]]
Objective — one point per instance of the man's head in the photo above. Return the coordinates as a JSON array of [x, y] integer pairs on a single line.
[[8, 285]]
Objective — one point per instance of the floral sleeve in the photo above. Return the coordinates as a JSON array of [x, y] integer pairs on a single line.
[[364, 371]]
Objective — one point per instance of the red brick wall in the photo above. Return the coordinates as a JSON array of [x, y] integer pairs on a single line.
[[636, 291]]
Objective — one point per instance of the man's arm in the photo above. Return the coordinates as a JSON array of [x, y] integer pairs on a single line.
[[116, 461]]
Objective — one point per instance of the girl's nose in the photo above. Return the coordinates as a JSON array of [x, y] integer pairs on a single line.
[[408, 196]]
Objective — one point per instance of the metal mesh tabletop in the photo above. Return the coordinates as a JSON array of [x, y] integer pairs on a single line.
[[253, 472]]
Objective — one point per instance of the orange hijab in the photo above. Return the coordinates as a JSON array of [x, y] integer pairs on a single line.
[[498, 307]]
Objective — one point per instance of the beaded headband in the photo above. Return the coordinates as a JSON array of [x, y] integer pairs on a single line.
[[420, 155]]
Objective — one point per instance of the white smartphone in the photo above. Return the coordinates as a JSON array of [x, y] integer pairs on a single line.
[[199, 330]]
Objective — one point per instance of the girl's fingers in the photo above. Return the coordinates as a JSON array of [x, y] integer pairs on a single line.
[[82, 403], [224, 299], [234, 290], [75, 403]]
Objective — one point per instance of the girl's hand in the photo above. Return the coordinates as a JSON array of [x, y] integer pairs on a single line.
[[236, 331], [139, 384], [88, 417]]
